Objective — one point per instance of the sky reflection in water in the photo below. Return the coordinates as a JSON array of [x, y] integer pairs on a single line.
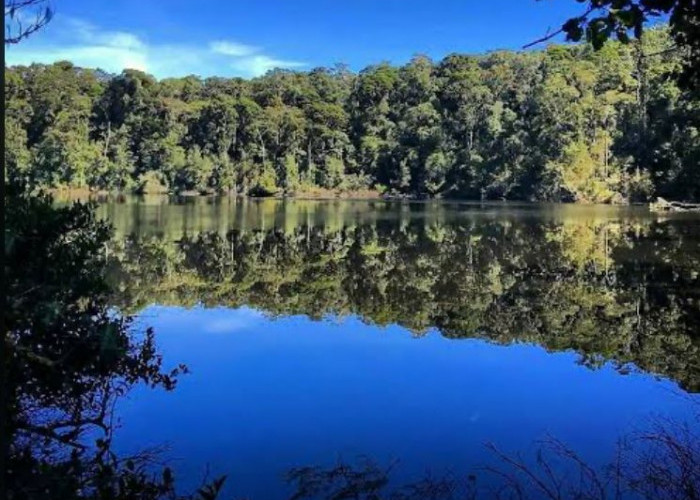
[[268, 394]]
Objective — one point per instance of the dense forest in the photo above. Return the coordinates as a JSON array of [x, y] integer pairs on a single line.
[[607, 289], [566, 123]]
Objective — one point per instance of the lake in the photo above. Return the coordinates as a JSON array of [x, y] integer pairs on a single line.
[[324, 331]]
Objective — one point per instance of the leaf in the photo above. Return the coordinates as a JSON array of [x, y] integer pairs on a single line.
[[622, 35], [573, 30]]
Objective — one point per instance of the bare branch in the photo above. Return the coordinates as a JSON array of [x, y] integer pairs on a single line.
[[549, 36], [16, 16], [518, 464]]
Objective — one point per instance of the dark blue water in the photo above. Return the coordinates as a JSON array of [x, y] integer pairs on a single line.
[[268, 394]]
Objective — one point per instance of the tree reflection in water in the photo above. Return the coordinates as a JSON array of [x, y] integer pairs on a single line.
[[67, 358], [624, 292]]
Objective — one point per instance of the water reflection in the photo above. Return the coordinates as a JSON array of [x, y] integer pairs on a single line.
[[614, 284]]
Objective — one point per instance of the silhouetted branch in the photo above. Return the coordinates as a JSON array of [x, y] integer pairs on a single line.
[[551, 35], [518, 464], [19, 25]]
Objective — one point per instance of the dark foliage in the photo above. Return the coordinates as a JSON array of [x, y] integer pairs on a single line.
[[68, 358]]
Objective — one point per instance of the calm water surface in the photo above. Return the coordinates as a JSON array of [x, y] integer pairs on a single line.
[[319, 330]]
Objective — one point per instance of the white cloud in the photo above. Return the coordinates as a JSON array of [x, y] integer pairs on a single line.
[[234, 49], [83, 28], [234, 321], [85, 44], [261, 64], [123, 41], [112, 59], [88, 33]]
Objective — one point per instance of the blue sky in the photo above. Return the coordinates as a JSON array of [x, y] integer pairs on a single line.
[[248, 37]]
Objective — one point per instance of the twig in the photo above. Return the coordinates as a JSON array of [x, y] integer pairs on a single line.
[[549, 36]]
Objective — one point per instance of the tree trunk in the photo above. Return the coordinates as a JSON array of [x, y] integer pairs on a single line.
[[109, 136], [641, 96], [605, 156]]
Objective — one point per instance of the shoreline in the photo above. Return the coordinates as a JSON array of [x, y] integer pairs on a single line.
[[80, 194], [326, 194]]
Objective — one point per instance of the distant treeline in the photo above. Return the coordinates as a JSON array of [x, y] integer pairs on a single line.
[[565, 123]]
